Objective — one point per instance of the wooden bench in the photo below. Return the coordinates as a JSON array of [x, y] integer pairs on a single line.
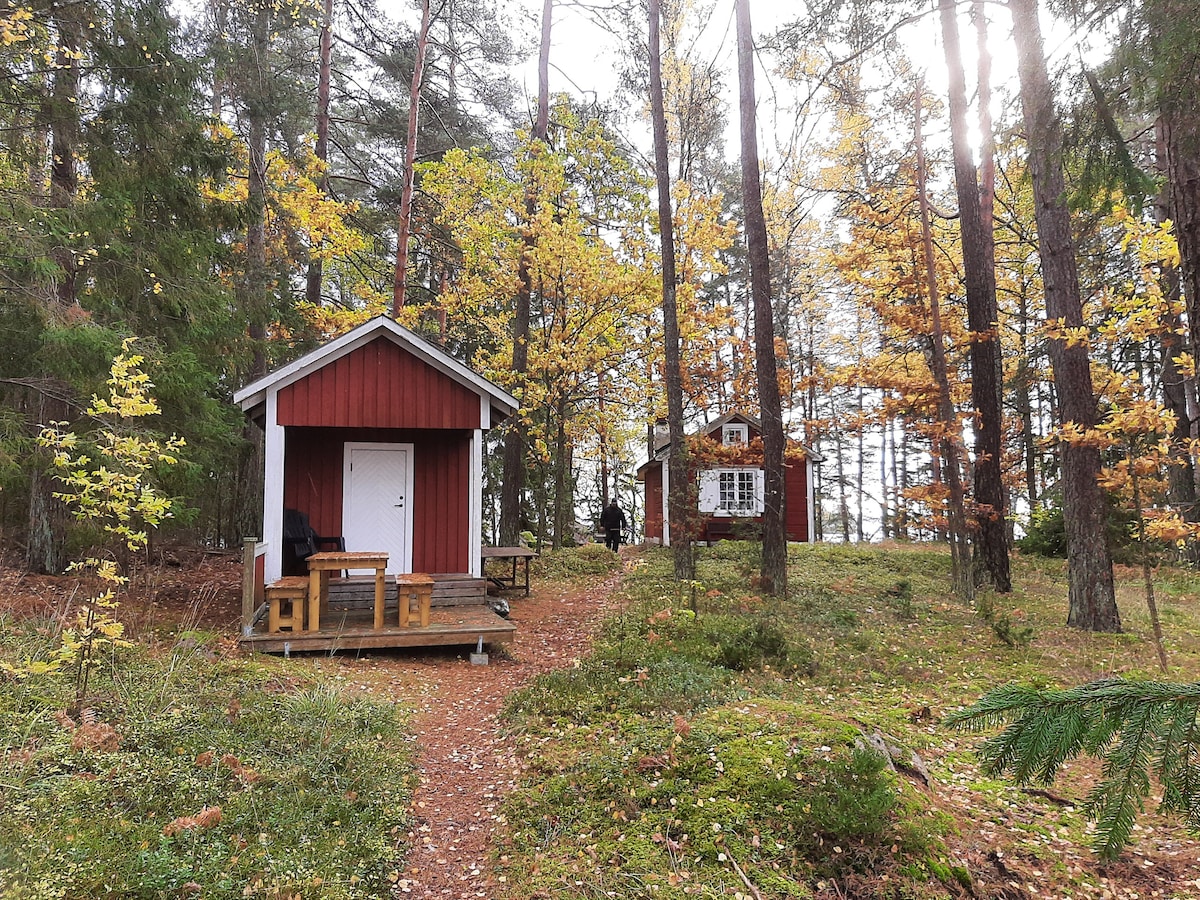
[[294, 590], [414, 587]]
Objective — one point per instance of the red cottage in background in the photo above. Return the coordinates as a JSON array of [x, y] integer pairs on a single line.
[[377, 437], [727, 467]]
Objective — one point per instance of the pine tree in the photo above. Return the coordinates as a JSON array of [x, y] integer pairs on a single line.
[[1141, 730]]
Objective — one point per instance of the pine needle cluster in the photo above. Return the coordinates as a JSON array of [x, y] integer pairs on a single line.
[[1144, 732]]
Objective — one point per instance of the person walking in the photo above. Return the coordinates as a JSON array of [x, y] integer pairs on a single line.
[[612, 520]]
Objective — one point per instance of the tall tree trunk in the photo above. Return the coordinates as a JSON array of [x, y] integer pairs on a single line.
[[774, 529], [1179, 152], [64, 133], [561, 498], [1176, 386], [679, 499], [1093, 604], [47, 516], [404, 226], [321, 148], [979, 268], [952, 468], [987, 142], [45, 552], [843, 502], [885, 438], [1180, 125], [1023, 384], [254, 285], [512, 488]]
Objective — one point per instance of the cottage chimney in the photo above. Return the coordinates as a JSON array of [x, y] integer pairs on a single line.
[[662, 435]]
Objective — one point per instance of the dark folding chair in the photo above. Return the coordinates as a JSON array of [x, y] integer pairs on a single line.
[[300, 541]]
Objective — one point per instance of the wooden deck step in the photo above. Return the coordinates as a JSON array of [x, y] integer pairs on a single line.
[[350, 629], [448, 590]]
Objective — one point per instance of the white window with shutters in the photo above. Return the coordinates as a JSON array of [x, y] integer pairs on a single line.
[[731, 492]]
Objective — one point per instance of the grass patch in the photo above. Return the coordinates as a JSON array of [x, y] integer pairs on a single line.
[[588, 560], [184, 774], [715, 737]]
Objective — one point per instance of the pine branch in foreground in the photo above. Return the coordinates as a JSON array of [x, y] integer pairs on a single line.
[[1142, 731]]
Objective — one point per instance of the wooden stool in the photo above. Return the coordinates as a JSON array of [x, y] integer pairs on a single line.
[[293, 589], [414, 587]]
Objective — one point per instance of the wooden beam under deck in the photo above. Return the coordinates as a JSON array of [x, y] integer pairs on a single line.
[[350, 629]]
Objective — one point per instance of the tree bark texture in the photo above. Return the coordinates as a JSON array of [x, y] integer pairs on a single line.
[[1093, 605], [404, 225], [315, 280], [1180, 127], [253, 298], [679, 497], [64, 134], [774, 529], [512, 486], [952, 463], [979, 271], [45, 553]]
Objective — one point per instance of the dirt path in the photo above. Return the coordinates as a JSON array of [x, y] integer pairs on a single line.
[[465, 765]]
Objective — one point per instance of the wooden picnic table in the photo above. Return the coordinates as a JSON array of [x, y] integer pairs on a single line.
[[505, 582], [321, 564]]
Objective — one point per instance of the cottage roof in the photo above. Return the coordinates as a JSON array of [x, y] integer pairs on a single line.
[[254, 394]]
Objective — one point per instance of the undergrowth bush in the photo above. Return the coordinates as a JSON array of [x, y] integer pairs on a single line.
[[185, 775], [575, 562]]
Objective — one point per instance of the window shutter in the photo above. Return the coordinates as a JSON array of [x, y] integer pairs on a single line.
[[710, 491], [760, 492]]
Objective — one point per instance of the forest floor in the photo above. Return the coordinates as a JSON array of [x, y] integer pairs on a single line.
[[467, 763]]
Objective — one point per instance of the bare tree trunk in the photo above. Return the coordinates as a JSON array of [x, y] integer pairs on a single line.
[[560, 475], [774, 529], [254, 284], [885, 437], [512, 488], [404, 226], [321, 148], [843, 502], [860, 481], [45, 553], [64, 133], [219, 10], [678, 501], [952, 469], [979, 268], [1093, 604]]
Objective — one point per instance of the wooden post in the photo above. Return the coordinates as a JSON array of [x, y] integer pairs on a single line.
[[248, 556]]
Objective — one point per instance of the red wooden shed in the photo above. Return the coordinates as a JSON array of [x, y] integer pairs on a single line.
[[378, 437], [728, 474]]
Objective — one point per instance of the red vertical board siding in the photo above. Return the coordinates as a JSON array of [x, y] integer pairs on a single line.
[[441, 467], [313, 478], [654, 502], [795, 482], [441, 483], [379, 385]]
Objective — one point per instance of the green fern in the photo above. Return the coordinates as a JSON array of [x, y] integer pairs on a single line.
[[1143, 731]]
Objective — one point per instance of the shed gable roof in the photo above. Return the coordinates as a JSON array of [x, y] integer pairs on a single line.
[[254, 394]]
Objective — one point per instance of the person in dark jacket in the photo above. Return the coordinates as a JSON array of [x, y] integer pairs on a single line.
[[612, 520]]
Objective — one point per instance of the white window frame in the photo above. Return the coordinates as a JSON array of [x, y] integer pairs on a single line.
[[734, 491], [735, 435]]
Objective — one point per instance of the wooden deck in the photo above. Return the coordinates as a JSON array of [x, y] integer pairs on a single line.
[[350, 629], [459, 616]]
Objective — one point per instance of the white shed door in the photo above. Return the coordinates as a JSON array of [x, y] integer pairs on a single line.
[[377, 502]]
